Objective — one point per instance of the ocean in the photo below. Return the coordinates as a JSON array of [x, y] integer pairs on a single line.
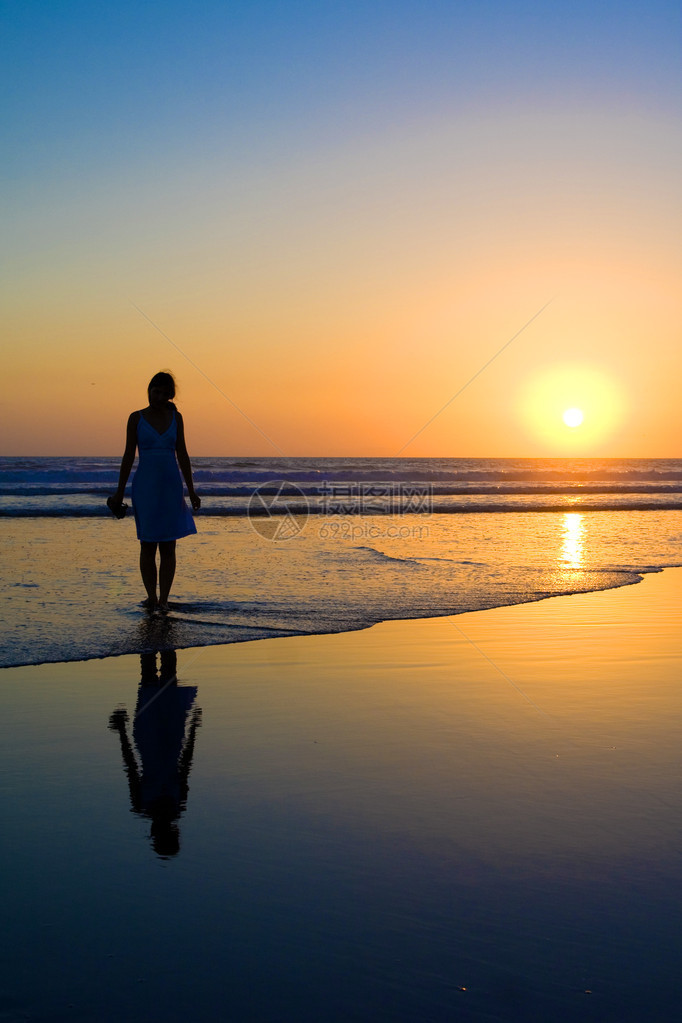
[[290, 546]]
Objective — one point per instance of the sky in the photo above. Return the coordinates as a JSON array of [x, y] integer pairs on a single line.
[[348, 228]]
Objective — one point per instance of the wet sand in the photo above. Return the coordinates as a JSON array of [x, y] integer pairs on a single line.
[[468, 818]]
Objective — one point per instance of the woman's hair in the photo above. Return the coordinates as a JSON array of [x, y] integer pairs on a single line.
[[162, 380]]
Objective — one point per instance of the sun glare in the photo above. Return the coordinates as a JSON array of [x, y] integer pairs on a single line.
[[573, 417], [571, 395]]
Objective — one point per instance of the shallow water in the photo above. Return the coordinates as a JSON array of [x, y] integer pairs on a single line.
[[70, 588]]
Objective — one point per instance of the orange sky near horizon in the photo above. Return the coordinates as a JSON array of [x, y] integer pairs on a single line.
[[339, 288]]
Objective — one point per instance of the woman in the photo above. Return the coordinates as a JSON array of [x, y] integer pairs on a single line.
[[161, 515], [157, 755]]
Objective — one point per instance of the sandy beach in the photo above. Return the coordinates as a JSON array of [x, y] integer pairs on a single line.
[[466, 818]]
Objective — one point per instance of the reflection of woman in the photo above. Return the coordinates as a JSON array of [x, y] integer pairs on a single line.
[[164, 733], [161, 515]]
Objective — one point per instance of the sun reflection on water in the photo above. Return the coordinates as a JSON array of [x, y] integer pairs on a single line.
[[572, 547]]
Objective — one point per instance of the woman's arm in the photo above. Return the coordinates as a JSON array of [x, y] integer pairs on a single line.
[[117, 723], [184, 463], [128, 456]]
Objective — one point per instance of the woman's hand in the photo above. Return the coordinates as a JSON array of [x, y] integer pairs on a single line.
[[195, 501], [116, 506]]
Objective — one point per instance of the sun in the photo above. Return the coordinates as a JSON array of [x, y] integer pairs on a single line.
[[573, 417], [571, 408]]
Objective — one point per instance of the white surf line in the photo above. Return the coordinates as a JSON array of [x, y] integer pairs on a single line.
[[476, 374], [207, 377], [502, 673]]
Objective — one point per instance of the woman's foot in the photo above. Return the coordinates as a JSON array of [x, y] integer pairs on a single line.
[[162, 607], [149, 604]]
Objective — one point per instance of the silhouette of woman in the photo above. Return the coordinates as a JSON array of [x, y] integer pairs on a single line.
[[161, 515], [164, 733]]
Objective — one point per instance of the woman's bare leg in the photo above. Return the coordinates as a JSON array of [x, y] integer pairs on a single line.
[[166, 570], [148, 570]]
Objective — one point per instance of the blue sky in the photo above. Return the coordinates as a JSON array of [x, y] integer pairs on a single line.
[[305, 188], [86, 83]]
